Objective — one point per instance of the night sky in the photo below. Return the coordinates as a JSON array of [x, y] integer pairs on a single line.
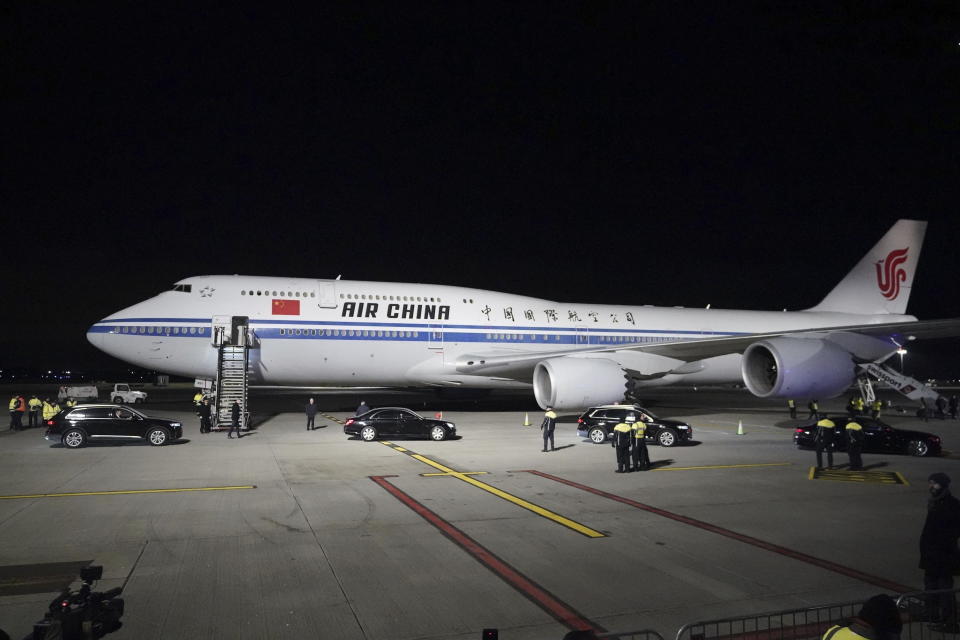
[[742, 154]]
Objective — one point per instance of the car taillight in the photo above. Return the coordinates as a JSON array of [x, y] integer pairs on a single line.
[[579, 420], [349, 422], [798, 430], [49, 423]]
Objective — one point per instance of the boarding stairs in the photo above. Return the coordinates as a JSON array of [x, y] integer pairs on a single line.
[[232, 383], [910, 387]]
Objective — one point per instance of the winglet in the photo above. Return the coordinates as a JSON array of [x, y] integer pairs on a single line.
[[881, 281]]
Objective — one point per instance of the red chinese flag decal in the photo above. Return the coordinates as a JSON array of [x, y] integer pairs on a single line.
[[286, 307]]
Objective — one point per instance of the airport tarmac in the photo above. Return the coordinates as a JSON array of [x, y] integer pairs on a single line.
[[295, 533]]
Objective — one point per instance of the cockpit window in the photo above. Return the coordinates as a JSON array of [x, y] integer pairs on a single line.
[[183, 287]]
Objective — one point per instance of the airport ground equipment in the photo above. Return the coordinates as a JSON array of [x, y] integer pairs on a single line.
[[78, 392], [910, 387], [231, 338]]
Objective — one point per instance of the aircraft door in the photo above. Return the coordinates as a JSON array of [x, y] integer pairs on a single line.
[[326, 294], [435, 336]]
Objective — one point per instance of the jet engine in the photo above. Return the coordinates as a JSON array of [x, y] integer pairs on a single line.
[[576, 383], [797, 368]]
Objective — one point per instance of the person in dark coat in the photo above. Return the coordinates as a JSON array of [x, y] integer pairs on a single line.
[[547, 426], [362, 409], [854, 434], [826, 430], [953, 406], [311, 411], [234, 420], [939, 556], [204, 412]]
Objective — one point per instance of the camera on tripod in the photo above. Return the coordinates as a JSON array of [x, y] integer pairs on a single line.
[[83, 614]]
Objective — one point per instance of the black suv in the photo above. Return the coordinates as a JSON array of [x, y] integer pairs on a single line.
[[597, 423], [109, 422]]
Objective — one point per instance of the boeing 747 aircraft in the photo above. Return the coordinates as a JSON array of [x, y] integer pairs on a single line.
[[307, 332]]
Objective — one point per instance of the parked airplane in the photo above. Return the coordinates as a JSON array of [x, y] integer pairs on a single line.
[[307, 332]]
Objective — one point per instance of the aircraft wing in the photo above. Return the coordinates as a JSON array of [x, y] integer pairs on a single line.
[[899, 333]]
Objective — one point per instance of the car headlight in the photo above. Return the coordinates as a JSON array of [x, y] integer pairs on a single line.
[[175, 424], [451, 425]]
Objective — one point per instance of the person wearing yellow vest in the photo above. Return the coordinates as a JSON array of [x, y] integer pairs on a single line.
[[792, 406], [50, 409], [641, 459], [858, 405], [547, 426], [854, 445], [875, 409], [70, 403], [33, 406], [814, 409], [197, 399], [14, 401], [826, 429], [878, 619], [622, 435]]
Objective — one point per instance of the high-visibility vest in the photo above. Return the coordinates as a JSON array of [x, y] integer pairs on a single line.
[[50, 410], [621, 434], [639, 430], [35, 404], [13, 403]]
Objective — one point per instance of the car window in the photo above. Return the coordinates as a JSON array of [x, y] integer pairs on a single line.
[[97, 412], [78, 415], [612, 414], [410, 415], [388, 415], [123, 414]]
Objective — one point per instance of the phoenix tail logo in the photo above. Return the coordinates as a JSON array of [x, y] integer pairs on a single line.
[[890, 273]]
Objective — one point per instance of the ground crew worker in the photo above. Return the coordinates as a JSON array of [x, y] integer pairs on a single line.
[[878, 619], [547, 426], [641, 459], [875, 408], [197, 399], [825, 438], [621, 442], [854, 445], [33, 406], [21, 409], [852, 407], [793, 408], [70, 403], [49, 409], [13, 412], [859, 404], [814, 409]]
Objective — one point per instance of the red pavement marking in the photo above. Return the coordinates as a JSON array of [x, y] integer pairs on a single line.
[[790, 553], [558, 609]]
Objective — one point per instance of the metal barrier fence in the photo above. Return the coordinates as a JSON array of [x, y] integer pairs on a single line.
[[793, 624], [645, 634], [926, 615]]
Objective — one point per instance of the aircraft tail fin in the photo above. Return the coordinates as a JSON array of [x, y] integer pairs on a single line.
[[881, 281]]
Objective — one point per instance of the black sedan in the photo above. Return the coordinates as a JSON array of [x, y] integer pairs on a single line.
[[878, 437], [397, 422], [77, 426]]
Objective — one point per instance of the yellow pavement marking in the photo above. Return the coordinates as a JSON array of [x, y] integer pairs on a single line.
[[520, 502], [466, 473], [117, 493], [725, 466], [872, 477]]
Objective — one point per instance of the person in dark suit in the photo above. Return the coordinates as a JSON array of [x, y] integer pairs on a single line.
[[234, 420], [362, 409], [939, 556], [311, 411], [204, 412]]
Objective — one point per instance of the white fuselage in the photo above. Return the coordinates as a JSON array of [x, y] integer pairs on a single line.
[[354, 333]]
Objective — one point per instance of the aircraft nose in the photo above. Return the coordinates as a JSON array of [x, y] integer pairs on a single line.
[[95, 337]]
